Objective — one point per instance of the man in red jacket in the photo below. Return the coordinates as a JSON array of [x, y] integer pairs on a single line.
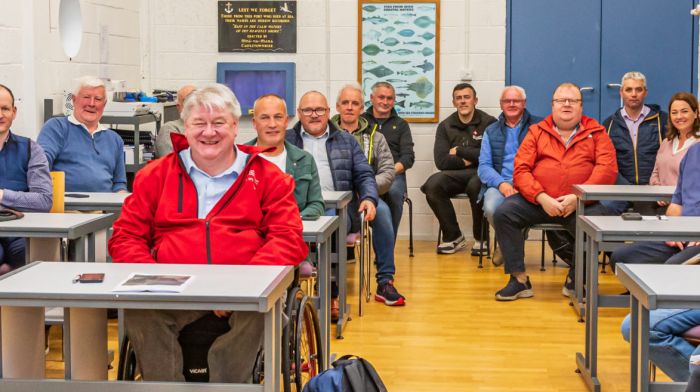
[[208, 202], [564, 149]]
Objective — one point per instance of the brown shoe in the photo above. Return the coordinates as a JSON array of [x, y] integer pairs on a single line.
[[335, 309]]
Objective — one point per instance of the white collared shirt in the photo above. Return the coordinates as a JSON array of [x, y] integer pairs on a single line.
[[100, 127], [316, 146]]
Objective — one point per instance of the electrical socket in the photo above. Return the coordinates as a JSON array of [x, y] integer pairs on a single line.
[[465, 74]]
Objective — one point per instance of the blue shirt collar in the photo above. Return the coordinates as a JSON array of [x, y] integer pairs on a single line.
[[237, 166]]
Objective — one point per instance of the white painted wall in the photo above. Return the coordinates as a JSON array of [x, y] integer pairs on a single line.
[[32, 62], [183, 49]]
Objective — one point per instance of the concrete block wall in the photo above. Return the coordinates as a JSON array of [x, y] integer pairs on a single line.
[[183, 39], [32, 61]]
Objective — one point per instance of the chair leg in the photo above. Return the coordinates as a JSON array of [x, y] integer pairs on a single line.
[[544, 236], [605, 261], [410, 227], [481, 247]]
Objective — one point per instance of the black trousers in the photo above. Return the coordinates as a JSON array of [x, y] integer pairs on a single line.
[[440, 187]]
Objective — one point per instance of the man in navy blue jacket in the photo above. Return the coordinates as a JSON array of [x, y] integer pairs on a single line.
[[342, 166], [498, 147]]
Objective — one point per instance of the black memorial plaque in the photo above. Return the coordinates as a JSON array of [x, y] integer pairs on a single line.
[[258, 26]]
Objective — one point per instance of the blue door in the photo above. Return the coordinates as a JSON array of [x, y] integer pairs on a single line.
[[655, 37], [594, 42]]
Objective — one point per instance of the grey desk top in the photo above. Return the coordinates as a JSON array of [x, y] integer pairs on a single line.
[[320, 229], [624, 192], [661, 285], [336, 199], [225, 287], [106, 201], [55, 225], [614, 228]]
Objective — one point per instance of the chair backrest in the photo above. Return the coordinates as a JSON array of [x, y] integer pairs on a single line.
[[58, 181]]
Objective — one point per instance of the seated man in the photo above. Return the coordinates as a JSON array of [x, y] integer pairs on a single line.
[[25, 183], [456, 154], [498, 148], [91, 155], [376, 149], [270, 121], [163, 144], [341, 167], [210, 202], [564, 149], [636, 130]]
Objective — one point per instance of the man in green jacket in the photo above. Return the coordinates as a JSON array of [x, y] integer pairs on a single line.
[[270, 121]]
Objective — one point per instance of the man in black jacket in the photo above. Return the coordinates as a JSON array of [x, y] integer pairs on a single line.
[[398, 135], [456, 154]]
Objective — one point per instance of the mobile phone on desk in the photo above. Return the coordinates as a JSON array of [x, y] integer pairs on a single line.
[[77, 195], [631, 216], [89, 278]]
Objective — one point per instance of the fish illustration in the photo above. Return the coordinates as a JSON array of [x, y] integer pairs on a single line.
[[369, 62], [402, 95], [373, 34], [400, 22], [423, 22], [369, 8], [391, 41], [399, 62], [427, 36], [377, 19], [381, 71], [401, 52], [421, 104], [426, 66], [367, 104], [426, 51], [396, 80], [401, 103], [406, 33], [372, 50], [389, 29], [364, 81], [409, 72], [422, 87], [412, 43]]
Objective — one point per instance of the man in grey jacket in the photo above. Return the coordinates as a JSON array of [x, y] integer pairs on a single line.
[[376, 149], [163, 144]]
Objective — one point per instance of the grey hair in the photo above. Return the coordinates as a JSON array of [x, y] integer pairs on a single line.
[[634, 75], [383, 84], [516, 88], [212, 96], [89, 82], [350, 86]]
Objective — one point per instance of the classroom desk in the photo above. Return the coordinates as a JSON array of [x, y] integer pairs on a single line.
[[103, 201], [607, 192], [57, 225], [320, 232], [604, 233], [655, 287], [25, 292], [339, 201]]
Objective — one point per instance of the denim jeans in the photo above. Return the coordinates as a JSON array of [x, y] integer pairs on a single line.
[[492, 199], [394, 199], [667, 348], [383, 240], [12, 251]]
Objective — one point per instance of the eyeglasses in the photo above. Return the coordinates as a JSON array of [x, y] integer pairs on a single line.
[[511, 101], [567, 101], [310, 111]]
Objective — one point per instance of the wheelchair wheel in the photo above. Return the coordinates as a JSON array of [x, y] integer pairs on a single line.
[[128, 367], [308, 351], [294, 296]]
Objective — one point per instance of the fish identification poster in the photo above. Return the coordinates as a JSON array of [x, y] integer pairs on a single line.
[[399, 43]]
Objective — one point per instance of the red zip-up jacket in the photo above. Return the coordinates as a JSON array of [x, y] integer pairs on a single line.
[[255, 222], [544, 164]]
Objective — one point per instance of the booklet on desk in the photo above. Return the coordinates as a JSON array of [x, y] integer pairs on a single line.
[[138, 282]]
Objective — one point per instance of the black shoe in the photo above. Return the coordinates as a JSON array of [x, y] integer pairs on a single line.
[[515, 290]]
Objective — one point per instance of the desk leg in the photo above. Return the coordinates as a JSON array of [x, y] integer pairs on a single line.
[[323, 279], [90, 247], [577, 302], [273, 348], [86, 329], [634, 337], [588, 365], [22, 342], [343, 315], [640, 339], [79, 249]]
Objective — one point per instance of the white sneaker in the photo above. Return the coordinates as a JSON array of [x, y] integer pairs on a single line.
[[452, 246]]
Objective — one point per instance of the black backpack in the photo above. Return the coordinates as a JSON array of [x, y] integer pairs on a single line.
[[349, 374]]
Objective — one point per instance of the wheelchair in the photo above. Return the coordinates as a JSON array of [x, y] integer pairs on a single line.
[[302, 356]]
